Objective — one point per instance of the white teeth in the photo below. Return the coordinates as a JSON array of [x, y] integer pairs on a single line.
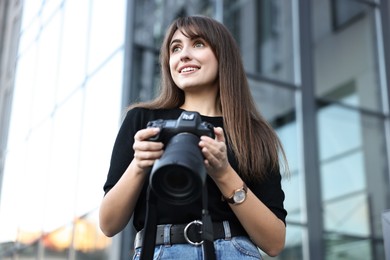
[[188, 69]]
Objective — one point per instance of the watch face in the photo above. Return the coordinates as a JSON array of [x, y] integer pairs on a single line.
[[239, 196]]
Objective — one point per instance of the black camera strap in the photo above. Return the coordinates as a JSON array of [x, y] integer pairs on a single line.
[[149, 239], [207, 228]]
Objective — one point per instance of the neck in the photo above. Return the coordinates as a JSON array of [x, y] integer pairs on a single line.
[[205, 105]]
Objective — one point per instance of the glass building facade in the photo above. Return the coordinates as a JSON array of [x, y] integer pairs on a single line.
[[319, 71]]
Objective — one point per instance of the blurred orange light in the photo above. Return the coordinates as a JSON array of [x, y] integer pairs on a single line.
[[85, 237]]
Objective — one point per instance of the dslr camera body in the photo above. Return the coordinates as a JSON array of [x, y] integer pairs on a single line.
[[179, 175], [188, 122]]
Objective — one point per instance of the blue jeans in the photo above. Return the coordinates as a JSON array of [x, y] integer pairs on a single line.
[[233, 249]]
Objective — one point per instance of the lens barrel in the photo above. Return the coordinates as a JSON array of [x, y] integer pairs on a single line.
[[179, 175]]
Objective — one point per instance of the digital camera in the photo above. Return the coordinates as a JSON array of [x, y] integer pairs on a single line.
[[179, 175]]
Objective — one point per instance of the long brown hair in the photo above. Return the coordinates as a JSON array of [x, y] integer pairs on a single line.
[[253, 141]]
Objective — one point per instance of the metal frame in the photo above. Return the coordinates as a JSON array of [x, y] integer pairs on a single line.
[[129, 93], [384, 9], [308, 110], [386, 233], [10, 23]]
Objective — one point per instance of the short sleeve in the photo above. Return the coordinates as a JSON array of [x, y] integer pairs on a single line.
[[270, 192], [122, 152]]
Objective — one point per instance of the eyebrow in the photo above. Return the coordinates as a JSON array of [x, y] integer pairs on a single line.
[[174, 41], [178, 40]]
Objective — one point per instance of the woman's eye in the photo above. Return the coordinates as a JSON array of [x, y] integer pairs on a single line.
[[175, 49], [199, 44]]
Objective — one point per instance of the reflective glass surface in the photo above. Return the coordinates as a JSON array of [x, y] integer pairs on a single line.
[[346, 58], [66, 112], [71, 74], [352, 144], [354, 179], [106, 31], [264, 31], [153, 17], [277, 105]]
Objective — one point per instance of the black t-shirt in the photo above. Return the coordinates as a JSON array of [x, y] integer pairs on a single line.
[[268, 191]]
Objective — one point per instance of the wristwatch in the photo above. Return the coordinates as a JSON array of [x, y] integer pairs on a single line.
[[238, 196]]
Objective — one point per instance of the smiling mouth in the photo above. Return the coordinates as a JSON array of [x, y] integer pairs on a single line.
[[188, 69]]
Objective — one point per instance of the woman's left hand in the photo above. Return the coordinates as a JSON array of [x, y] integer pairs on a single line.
[[215, 153]]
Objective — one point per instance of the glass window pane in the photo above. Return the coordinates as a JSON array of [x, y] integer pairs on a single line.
[[294, 242], [30, 12], [24, 80], [153, 17], [346, 61], [348, 215], [263, 30], [354, 178], [75, 26], [29, 36], [278, 106], [339, 248], [48, 8], [46, 68], [30, 200], [293, 249], [105, 37], [146, 73], [11, 202], [346, 11], [60, 114], [99, 130], [61, 183]]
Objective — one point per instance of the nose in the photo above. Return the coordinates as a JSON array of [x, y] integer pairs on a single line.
[[185, 54]]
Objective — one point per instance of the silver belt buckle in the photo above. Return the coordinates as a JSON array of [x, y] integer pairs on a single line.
[[195, 222]]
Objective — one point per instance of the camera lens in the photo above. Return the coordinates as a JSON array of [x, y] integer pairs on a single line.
[[176, 182], [179, 175]]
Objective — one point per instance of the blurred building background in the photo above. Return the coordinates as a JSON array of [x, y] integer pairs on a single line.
[[318, 69]]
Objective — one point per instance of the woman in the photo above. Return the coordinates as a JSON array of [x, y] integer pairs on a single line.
[[202, 71]]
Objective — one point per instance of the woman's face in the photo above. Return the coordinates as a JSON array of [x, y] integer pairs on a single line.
[[192, 63]]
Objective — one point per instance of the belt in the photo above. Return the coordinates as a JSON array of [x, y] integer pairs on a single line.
[[190, 233]]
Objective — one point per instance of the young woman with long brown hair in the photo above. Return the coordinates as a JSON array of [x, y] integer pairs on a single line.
[[202, 71]]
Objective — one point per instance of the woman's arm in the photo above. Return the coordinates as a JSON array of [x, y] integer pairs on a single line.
[[118, 204], [262, 225]]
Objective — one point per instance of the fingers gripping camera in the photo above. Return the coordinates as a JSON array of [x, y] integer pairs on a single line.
[[179, 175]]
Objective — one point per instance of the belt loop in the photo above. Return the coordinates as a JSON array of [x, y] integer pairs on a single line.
[[138, 239], [167, 234], [226, 228]]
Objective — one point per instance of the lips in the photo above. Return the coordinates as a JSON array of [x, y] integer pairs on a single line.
[[188, 69]]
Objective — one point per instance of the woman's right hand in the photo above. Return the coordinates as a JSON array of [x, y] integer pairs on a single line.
[[118, 204], [146, 152]]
